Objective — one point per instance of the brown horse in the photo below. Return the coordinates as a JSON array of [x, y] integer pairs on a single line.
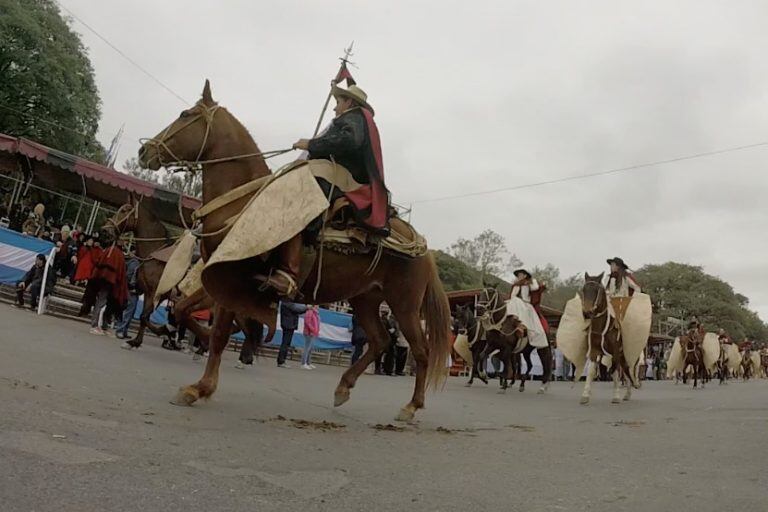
[[137, 218], [747, 366], [468, 324], [693, 357], [508, 335], [604, 341], [151, 235], [209, 135]]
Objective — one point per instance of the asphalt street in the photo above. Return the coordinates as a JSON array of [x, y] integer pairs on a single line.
[[87, 426]]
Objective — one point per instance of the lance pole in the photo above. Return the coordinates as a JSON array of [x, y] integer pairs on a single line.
[[344, 61]]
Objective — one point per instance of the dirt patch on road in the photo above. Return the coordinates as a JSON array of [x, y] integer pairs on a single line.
[[301, 424], [628, 423]]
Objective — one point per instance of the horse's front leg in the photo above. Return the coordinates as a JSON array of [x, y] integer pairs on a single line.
[[617, 386], [591, 370], [206, 386]]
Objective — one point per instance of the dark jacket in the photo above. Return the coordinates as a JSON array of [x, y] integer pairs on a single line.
[[358, 333], [345, 141], [35, 274], [132, 274], [289, 314]]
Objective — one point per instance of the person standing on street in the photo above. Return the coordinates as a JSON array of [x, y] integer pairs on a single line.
[[289, 322], [131, 275], [358, 339], [311, 332]]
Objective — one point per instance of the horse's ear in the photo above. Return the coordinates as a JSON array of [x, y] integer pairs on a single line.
[[207, 96], [586, 276], [600, 277]]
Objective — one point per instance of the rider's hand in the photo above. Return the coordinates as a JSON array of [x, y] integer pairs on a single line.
[[22, 285], [301, 144]]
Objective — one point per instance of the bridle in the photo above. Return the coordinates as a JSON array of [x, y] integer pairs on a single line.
[[116, 221], [179, 164], [598, 301]]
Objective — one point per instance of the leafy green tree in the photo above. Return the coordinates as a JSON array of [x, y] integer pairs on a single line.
[[47, 88], [680, 291], [486, 253]]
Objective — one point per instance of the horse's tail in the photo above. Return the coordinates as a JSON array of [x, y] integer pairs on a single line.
[[437, 316]]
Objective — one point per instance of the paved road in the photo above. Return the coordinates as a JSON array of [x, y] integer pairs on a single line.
[[87, 426]]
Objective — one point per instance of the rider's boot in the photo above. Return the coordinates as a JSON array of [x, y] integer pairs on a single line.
[[284, 279]]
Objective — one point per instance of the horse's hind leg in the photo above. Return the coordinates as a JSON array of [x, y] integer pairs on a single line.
[[411, 328], [545, 354], [206, 386], [366, 308], [528, 367]]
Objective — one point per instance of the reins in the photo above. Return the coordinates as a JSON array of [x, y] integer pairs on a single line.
[[181, 165]]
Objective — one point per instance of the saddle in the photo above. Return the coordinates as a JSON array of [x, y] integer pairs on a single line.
[[347, 238]]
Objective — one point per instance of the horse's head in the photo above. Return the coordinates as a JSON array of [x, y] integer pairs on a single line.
[[464, 318], [593, 298], [125, 218], [185, 139]]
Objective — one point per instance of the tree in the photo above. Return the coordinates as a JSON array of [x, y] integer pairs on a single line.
[[189, 183], [680, 291], [487, 253], [47, 88]]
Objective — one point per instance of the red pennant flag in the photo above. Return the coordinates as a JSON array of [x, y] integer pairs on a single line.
[[344, 74]]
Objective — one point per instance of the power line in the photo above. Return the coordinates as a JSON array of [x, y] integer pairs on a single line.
[[51, 123], [59, 125], [126, 57], [593, 174]]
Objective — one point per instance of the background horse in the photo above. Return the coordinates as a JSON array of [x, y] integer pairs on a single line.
[[693, 358], [722, 365], [603, 340], [151, 235], [509, 336], [748, 368], [209, 136], [467, 322]]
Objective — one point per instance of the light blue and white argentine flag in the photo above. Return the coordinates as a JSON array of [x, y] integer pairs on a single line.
[[17, 254]]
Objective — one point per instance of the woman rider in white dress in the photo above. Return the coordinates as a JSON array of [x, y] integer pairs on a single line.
[[520, 305]]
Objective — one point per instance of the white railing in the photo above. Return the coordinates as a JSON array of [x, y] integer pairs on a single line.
[[41, 300]]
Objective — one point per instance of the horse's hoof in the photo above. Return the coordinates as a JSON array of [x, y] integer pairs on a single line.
[[405, 415], [468, 385], [126, 346], [340, 397], [616, 400], [584, 400], [501, 391], [521, 389], [625, 399], [186, 396], [541, 391], [239, 365]]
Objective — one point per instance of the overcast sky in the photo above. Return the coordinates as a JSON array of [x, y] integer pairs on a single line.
[[473, 96]]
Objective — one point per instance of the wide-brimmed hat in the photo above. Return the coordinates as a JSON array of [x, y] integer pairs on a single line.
[[354, 93], [619, 262], [522, 271]]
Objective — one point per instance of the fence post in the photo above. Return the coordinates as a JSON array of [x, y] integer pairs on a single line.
[[48, 265]]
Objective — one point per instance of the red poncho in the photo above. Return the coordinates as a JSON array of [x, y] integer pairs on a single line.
[[86, 257], [111, 268]]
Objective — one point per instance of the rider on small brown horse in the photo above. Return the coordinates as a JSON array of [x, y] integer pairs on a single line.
[[352, 142]]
